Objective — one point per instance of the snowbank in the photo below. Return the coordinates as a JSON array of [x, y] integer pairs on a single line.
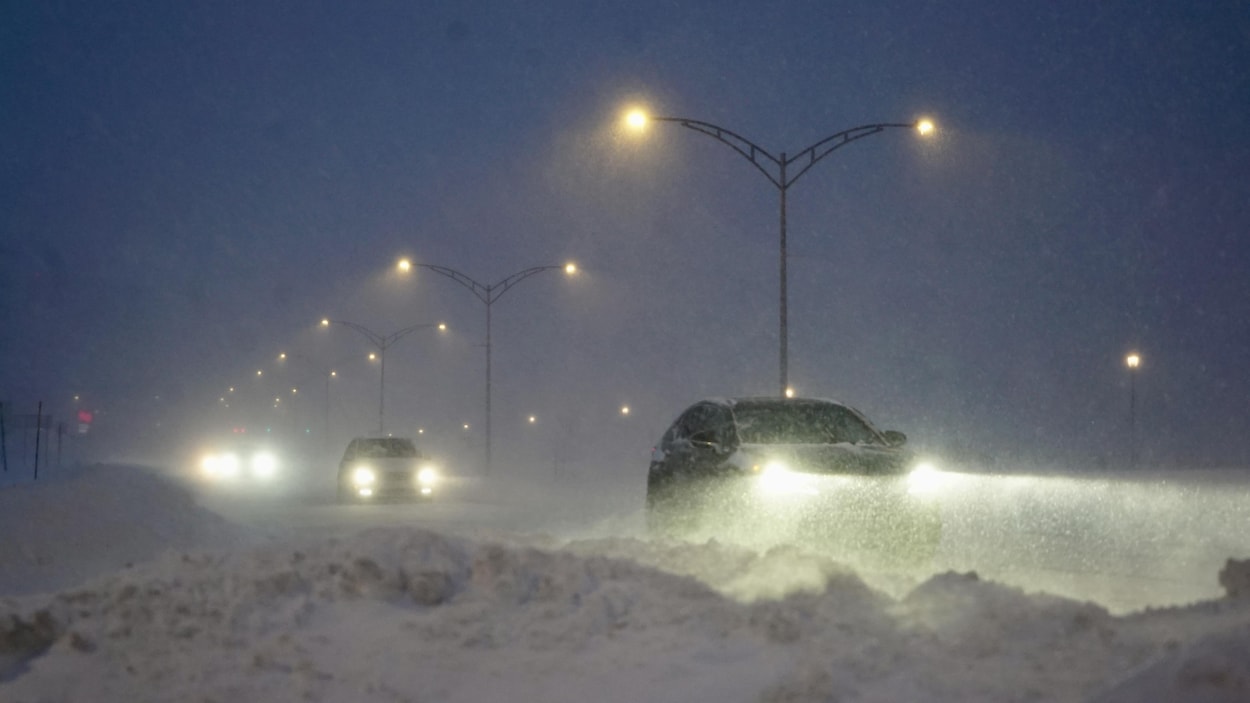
[[95, 519], [402, 613]]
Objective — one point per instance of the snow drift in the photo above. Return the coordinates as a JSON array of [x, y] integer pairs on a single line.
[[401, 613]]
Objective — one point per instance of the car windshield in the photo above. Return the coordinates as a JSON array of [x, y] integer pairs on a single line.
[[806, 423], [387, 447]]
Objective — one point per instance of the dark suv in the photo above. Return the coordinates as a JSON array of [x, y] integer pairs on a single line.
[[802, 469], [376, 468]]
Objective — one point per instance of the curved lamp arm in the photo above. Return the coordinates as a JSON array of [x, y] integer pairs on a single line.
[[487, 293], [756, 154], [381, 341]]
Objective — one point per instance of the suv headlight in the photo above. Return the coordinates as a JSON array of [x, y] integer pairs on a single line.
[[777, 478], [924, 479], [264, 464], [224, 465], [363, 476], [427, 476]]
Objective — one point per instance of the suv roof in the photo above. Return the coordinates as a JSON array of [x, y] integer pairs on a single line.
[[782, 420]]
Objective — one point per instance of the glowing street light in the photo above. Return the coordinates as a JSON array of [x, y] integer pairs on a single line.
[[382, 343], [636, 119], [776, 169], [488, 294]]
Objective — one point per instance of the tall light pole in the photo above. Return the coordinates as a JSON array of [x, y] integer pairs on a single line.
[[1133, 362], [488, 294], [776, 168], [382, 343]]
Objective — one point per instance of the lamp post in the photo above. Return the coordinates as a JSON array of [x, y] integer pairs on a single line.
[[488, 294], [776, 168], [1133, 362], [382, 343]]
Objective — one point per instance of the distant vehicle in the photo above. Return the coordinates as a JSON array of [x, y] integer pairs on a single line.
[[378, 468], [241, 462], [792, 468]]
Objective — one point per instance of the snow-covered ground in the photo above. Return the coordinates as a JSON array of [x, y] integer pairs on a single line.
[[119, 585]]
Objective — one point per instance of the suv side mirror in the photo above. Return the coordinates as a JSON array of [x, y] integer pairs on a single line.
[[894, 438]]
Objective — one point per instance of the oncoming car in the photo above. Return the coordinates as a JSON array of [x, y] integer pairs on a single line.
[[810, 470], [240, 463], [375, 468]]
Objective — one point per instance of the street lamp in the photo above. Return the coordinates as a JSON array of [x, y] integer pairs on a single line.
[[1133, 362], [488, 294], [782, 179], [382, 343]]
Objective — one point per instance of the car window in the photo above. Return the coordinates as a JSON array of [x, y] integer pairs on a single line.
[[814, 423], [690, 422]]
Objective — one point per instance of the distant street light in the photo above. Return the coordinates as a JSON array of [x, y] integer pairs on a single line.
[[488, 294], [761, 159], [382, 343], [1133, 362]]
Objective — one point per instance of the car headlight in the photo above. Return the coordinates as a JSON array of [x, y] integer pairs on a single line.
[[924, 479], [264, 465], [427, 476], [777, 478], [363, 476], [223, 466]]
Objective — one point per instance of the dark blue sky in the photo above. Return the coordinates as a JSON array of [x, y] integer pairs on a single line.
[[187, 187]]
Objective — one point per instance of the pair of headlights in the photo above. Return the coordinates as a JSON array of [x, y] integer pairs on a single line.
[[775, 477], [365, 477], [229, 465]]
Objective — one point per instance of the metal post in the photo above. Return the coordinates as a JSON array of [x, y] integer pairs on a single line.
[[488, 438], [38, 436], [381, 390], [1132, 420], [784, 315], [4, 447]]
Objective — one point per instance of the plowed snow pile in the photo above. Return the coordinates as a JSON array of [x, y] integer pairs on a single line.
[[407, 614]]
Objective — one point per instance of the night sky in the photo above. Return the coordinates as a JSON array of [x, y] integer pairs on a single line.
[[188, 188]]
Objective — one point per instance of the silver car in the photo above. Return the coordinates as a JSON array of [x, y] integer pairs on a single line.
[[380, 468]]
